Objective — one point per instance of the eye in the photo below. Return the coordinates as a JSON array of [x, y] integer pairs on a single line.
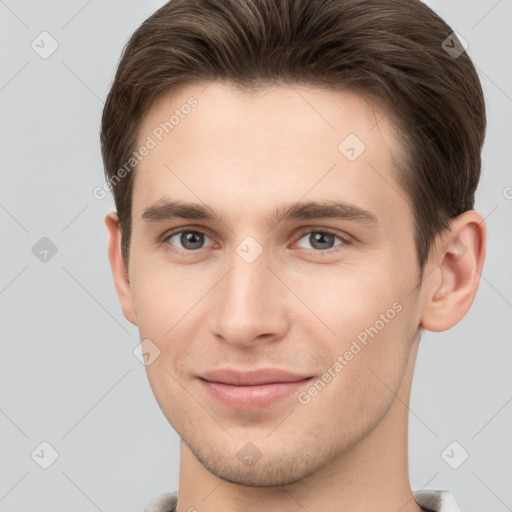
[[321, 240], [190, 240]]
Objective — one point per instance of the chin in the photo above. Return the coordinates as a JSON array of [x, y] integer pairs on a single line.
[[280, 468]]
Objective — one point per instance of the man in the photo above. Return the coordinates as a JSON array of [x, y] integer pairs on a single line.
[[294, 183]]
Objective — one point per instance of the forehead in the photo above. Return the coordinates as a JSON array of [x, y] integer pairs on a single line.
[[217, 144], [225, 111]]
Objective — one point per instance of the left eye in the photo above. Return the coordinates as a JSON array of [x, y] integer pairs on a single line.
[[190, 240], [321, 240]]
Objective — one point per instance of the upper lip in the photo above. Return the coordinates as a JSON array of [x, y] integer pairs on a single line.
[[252, 377]]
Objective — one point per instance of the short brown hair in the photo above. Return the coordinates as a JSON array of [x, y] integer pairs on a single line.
[[396, 50]]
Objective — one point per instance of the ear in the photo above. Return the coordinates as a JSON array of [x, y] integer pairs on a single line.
[[457, 261], [119, 272]]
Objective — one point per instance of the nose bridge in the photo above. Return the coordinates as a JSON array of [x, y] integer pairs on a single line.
[[248, 301], [247, 285]]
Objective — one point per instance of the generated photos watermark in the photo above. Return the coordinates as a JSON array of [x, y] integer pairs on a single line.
[[357, 344], [151, 142]]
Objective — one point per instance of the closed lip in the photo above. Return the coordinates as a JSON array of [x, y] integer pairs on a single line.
[[251, 377]]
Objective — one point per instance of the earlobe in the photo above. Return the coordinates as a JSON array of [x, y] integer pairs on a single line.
[[454, 281], [119, 271]]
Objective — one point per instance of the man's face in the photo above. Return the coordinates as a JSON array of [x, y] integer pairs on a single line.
[[327, 298]]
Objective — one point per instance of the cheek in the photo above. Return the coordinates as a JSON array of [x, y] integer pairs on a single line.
[[372, 324], [161, 297], [350, 299], [170, 395], [364, 376]]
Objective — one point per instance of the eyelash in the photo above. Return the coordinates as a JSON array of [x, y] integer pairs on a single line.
[[186, 253]]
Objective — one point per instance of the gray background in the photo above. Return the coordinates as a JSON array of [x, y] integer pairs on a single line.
[[68, 375]]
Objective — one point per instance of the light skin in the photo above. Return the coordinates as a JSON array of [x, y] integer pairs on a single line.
[[298, 306]]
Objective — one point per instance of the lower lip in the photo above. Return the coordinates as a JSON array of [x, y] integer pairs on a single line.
[[251, 397]]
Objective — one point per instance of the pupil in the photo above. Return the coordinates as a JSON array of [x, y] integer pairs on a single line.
[[320, 238], [187, 239]]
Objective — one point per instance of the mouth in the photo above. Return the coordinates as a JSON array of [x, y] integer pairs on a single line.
[[252, 389]]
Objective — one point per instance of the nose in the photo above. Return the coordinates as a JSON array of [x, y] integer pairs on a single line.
[[250, 304]]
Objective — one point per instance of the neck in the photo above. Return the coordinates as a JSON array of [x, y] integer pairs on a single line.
[[373, 475]]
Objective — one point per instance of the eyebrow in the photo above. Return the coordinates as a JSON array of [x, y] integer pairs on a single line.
[[168, 210]]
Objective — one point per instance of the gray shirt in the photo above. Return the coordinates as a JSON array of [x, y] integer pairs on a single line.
[[430, 501]]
